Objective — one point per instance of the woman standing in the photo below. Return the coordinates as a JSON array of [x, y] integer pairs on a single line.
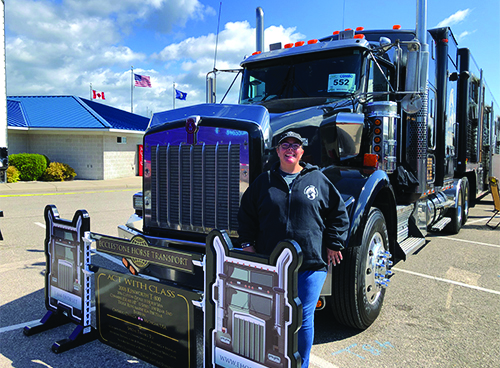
[[295, 200]]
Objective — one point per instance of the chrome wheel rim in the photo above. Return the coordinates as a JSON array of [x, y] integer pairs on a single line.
[[376, 268]]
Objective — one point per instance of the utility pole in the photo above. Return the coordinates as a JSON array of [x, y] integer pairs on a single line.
[[4, 154]]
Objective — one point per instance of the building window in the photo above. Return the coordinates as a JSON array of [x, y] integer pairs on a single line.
[[121, 140]]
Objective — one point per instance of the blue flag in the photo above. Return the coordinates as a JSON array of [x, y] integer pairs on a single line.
[[180, 95]]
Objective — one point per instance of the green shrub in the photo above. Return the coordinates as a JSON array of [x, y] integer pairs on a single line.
[[57, 171], [31, 166], [12, 174]]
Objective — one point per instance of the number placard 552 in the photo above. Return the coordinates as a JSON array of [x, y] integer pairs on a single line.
[[342, 82]]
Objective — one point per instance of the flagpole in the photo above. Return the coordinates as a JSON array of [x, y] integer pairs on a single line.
[[132, 89], [90, 91], [173, 94]]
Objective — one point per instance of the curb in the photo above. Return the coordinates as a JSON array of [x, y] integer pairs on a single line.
[[70, 186]]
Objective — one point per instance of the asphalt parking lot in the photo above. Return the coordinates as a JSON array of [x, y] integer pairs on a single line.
[[442, 308]]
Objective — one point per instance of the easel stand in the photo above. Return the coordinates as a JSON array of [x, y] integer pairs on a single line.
[[49, 321], [77, 338], [52, 320]]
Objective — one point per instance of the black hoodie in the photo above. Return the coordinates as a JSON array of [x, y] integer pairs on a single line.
[[311, 212]]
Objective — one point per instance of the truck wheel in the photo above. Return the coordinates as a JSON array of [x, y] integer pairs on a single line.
[[465, 207], [359, 281], [456, 215]]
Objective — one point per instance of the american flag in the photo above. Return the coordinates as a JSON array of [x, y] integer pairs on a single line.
[[142, 81]]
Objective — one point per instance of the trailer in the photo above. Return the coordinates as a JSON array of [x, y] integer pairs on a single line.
[[401, 121]]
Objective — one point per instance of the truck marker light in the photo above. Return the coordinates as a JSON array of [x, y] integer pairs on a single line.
[[348, 29], [377, 131], [310, 42], [377, 148], [359, 36], [396, 26], [445, 40], [288, 46], [299, 43], [336, 33], [377, 139], [377, 122], [360, 29], [370, 160], [257, 53]]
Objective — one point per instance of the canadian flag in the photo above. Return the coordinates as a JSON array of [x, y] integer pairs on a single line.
[[98, 95]]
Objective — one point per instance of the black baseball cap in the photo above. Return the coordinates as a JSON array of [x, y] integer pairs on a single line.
[[293, 135]]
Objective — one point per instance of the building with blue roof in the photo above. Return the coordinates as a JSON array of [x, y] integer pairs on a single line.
[[98, 141]]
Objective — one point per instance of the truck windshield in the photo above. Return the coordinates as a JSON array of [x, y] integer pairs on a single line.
[[328, 75]]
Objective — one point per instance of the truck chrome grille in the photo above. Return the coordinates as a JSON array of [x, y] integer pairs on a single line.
[[196, 187]]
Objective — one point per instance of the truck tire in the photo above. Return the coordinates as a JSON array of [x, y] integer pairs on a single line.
[[456, 214], [357, 298], [465, 207]]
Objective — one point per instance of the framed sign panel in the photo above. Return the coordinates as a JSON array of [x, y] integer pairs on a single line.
[[148, 319], [252, 311], [67, 287]]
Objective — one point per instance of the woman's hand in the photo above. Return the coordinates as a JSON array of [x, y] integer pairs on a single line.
[[334, 256]]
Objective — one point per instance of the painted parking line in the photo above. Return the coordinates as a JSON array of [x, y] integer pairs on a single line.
[[447, 281], [65, 193], [18, 326], [468, 241], [479, 220], [38, 361]]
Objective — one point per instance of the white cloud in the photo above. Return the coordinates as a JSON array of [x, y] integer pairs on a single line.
[[464, 35], [195, 56], [456, 18], [59, 48], [160, 15]]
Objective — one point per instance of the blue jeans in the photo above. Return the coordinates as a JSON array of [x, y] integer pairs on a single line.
[[310, 284]]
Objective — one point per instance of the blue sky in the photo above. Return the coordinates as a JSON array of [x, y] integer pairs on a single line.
[[59, 47]]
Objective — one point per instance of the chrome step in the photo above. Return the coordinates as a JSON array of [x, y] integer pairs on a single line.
[[438, 226], [410, 245]]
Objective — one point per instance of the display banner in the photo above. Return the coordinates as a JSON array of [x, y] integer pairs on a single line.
[[67, 286], [138, 252], [147, 319], [252, 311]]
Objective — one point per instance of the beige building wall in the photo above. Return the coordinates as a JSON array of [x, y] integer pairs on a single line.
[[18, 142], [120, 159], [93, 155]]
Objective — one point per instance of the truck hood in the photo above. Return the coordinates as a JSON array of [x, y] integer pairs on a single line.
[[305, 119], [250, 113], [308, 117]]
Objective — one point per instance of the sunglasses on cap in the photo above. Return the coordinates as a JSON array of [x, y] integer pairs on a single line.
[[294, 146]]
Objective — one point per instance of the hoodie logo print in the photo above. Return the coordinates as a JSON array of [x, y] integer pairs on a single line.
[[311, 192]]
